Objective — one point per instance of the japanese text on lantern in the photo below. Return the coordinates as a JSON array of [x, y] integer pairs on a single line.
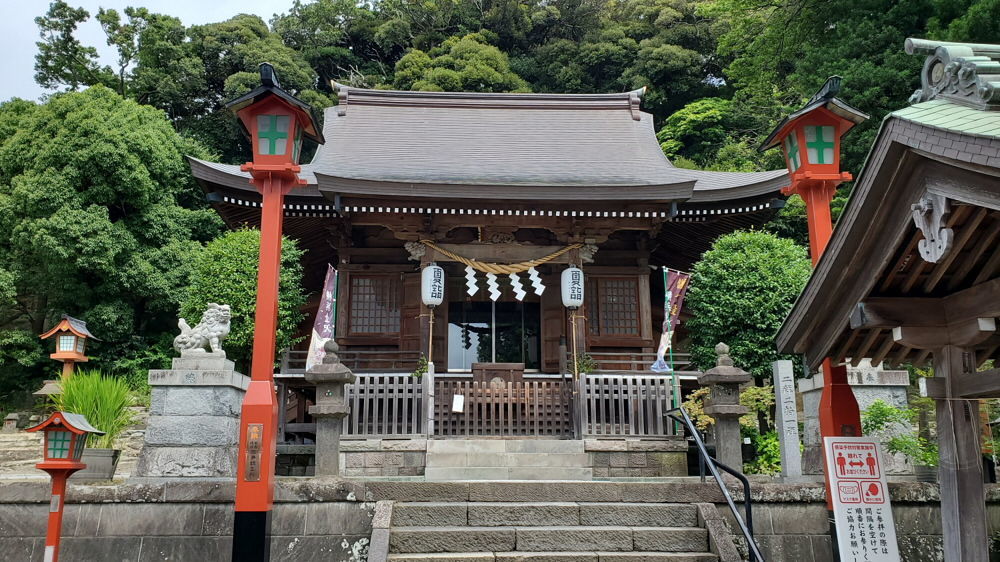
[[863, 514], [576, 285], [437, 284]]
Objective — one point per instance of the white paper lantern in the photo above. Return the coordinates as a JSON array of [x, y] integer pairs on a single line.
[[432, 285], [572, 287]]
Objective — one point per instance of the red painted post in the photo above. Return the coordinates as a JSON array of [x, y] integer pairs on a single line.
[[54, 531], [276, 122]]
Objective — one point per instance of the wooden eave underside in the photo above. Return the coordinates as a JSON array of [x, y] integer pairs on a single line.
[[873, 253]]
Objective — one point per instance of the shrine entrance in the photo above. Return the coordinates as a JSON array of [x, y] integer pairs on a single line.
[[485, 331]]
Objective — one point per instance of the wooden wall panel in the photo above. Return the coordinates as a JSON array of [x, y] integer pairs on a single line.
[[553, 323]]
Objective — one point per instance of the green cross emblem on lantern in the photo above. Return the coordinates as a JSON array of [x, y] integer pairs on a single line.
[[272, 134], [819, 144], [792, 152]]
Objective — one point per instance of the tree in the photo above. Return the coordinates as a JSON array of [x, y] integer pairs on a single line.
[[741, 291], [466, 63], [62, 60], [226, 273], [101, 220]]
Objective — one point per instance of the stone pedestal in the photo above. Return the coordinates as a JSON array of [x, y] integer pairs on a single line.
[[330, 409], [869, 383], [723, 404], [194, 418]]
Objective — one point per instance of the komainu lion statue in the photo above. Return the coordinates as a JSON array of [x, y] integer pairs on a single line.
[[213, 328]]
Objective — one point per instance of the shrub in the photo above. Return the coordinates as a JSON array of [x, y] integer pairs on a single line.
[[895, 426], [741, 291], [104, 401]]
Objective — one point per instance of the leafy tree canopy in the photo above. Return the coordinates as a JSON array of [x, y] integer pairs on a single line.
[[740, 293], [101, 217], [467, 63], [226, 273]]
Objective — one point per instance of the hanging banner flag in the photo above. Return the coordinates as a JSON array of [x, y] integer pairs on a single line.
[[326, 319], [676, 285]]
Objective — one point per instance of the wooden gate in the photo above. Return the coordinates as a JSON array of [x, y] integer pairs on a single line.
[[514, 408]]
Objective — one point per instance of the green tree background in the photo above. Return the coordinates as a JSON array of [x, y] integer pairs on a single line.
[[225, 272]]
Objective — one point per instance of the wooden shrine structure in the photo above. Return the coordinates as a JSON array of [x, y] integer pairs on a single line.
[[407, 179], [912, 273]]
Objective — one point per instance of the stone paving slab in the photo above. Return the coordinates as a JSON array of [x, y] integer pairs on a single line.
[[451, 539], [577, 538]]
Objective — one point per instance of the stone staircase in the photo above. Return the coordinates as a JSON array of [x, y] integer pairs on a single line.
[[19, 451], [513, 459], [549, 531]]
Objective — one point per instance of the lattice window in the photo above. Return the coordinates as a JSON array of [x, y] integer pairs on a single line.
[[613, 306], [374, 304]]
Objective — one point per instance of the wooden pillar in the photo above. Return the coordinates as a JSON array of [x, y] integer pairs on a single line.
[[963, 495]]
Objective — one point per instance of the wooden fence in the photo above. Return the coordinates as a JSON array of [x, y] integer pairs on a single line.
[[294, 362], [386, 405], [522, 408], [625, 405]]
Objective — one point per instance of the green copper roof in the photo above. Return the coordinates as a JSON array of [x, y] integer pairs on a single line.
[[942, 114]]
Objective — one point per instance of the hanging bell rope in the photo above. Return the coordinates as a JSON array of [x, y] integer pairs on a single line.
[[498, 268]]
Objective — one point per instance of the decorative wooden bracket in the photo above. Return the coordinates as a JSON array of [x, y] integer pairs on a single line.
[[929, 215]]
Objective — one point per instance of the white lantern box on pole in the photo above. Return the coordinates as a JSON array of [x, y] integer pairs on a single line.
[[432, 285], [572, 287]]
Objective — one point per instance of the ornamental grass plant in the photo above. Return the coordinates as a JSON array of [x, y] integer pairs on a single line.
[[103, 400]]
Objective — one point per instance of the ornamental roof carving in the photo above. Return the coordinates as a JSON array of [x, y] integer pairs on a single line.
[[964, 73]]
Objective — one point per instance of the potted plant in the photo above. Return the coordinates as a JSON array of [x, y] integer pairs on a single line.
[[894, 426], [105, 402]]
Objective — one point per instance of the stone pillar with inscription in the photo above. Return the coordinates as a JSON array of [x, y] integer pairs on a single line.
[[723, 404], [330, 409], [787, 420]]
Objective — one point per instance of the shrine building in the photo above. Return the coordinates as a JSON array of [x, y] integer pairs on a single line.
[[406, 179]]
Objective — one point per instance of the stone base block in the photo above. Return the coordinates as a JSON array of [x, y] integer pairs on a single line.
[[205, 462], [192, 431], [196, 401], [182, 377]]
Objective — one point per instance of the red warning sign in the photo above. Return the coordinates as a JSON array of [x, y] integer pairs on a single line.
[[856, 460]]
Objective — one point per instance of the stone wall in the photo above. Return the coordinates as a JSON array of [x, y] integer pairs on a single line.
[[181, 521], [791, 522], [383, 457], [616, 458]]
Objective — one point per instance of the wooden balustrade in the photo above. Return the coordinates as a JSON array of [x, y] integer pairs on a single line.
[[391, 361], [625, 405], [385, 405]]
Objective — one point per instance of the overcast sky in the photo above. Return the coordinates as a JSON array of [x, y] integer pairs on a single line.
[[18, 32]]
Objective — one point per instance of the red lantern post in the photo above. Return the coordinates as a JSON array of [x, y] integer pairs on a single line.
[[65, 438], [810, 140], [276, 123], [71, 337]]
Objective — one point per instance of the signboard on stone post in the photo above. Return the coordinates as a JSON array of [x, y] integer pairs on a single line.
[[865, 528], [787, 418]]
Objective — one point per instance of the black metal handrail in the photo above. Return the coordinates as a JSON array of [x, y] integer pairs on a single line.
[[713, 465]]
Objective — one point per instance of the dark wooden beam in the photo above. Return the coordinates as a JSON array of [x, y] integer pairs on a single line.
[[968, 229], [966, 333], [984, 384], [980, 301]]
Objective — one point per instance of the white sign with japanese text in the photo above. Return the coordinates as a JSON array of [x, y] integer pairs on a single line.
[[865, 528]]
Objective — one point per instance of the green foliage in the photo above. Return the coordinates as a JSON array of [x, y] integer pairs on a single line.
[[585, 363], [422, 366], [226, 273], [101, 219], [759, 399], [768, 449], [741, 291], [467, 63], [896, 424], [103, 400]]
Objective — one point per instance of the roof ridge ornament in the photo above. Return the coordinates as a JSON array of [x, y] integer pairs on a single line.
[[965, 73]]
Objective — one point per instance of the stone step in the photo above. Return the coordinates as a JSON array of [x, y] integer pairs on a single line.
[[556, 557], [547, 539], [537, 460], [464, 473], [500, 514]]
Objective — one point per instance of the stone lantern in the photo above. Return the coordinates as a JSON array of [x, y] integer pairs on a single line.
[[723, 404], [330, 408]]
